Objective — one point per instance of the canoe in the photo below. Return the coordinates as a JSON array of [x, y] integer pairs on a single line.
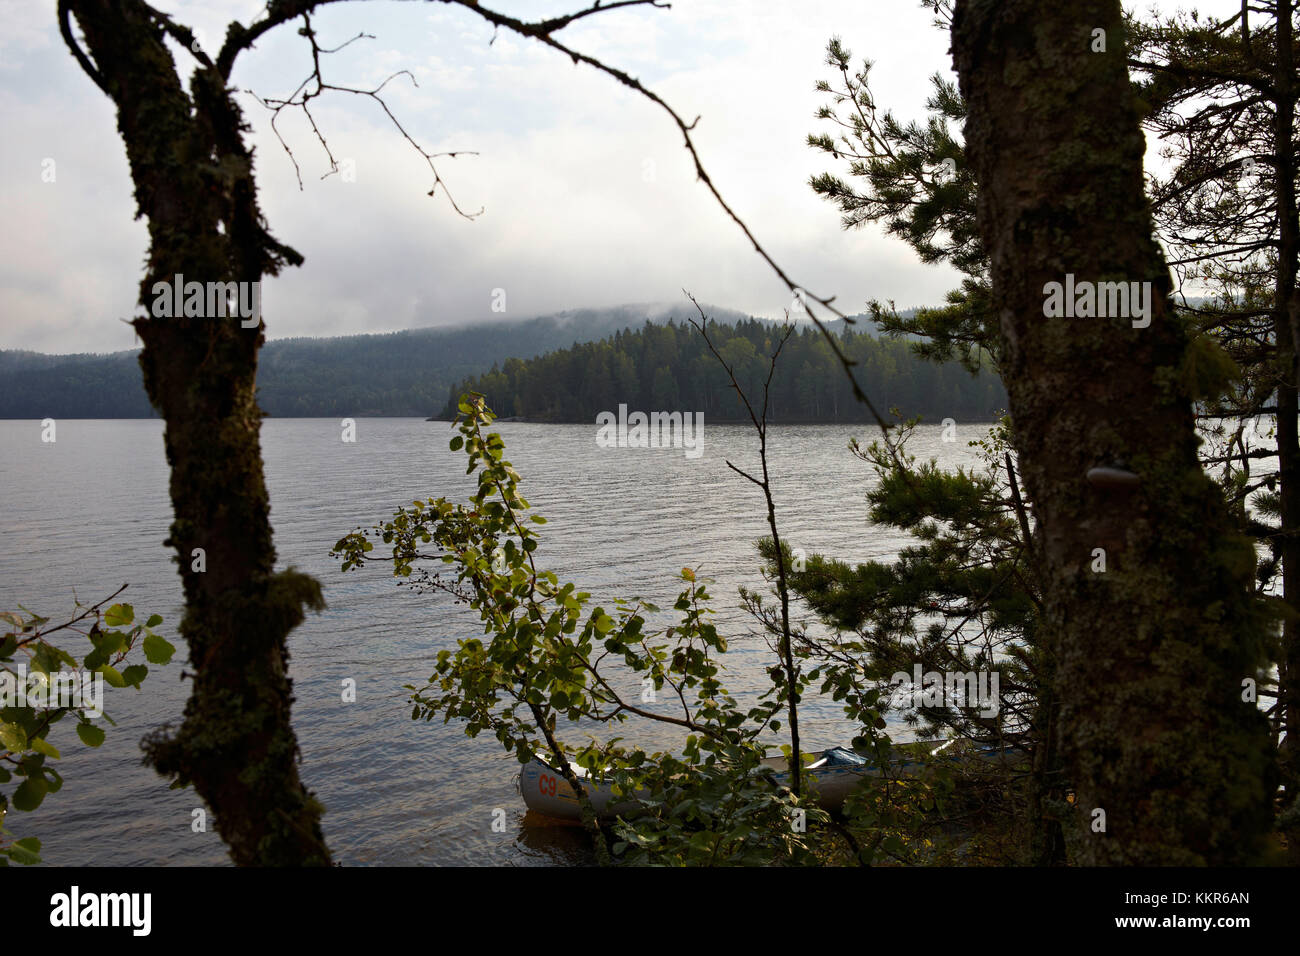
[[835, 771]]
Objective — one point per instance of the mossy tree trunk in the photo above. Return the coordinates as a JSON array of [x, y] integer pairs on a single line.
[[1287, 322], [1153, 650], [193, 179]]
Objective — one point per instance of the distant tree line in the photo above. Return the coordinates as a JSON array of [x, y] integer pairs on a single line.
[[377, 375], [72, 386], [669, 368]]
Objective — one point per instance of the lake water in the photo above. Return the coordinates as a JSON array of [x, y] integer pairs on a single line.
[[90, 511]]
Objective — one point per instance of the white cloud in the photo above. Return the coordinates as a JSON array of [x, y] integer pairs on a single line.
[[569, 219]]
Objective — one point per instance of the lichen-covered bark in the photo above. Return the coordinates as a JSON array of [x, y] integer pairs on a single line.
[[1287, 325], [194, 184], [1152, 652]]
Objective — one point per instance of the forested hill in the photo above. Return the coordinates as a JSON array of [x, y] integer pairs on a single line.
[[401, 373], [669, 368]]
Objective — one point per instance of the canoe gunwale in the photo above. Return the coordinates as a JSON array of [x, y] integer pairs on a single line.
[[545, 790]]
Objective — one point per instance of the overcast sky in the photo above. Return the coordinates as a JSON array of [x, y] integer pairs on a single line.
[[588, 198]]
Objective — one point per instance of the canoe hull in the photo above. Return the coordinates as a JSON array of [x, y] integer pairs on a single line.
[[545, 790]]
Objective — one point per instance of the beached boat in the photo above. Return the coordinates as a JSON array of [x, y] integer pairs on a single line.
[[835, 772]]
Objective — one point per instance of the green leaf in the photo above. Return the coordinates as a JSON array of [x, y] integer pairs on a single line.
[[12, 738], [111, 642], [90, 735], [119, 614], [154, 620], [23, 856], [112, 676], [30, 793], [43, 746], [456, 443], [158, 650]]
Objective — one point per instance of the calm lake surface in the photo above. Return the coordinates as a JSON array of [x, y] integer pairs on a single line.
[[90, 511]]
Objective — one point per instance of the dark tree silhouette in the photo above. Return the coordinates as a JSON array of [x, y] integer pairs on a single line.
[[1152, 652], [194, 183]]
